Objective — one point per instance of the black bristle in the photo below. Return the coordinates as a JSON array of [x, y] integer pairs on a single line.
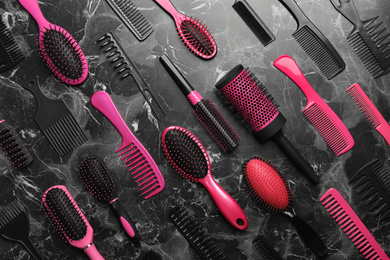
[[195, 234], [262, 87], [265, 248], [10, 53]]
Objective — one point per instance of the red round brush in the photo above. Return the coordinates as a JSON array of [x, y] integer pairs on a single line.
[[269, 187], [189, 158]]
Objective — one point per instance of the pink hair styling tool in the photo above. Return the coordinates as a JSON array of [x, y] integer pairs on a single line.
[[324, 119], [58, 48], [205, 110], [190, 159], [352, 226], [132, 152], [193, 33], [370, 111], [244, 94], [64, 214]]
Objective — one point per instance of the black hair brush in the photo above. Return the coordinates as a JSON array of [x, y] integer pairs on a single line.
[[265, 249]]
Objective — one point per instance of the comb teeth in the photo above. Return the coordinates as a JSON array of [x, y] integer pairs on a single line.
[[10, 212], [332, 135], [319, 52], [352, 226], [65, 135], [265, 249], [195, 234], [132, 18], [10, 53]]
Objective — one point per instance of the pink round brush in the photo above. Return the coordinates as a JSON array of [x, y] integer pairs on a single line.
[[58, 48], [189, 158], [64, 214]]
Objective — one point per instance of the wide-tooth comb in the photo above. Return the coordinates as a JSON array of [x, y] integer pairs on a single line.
[[132, 18], [316, 45], [369, 39], [352, 226], [372, 183], [124, 67], [133, 154], [370, 111], [10, 53], [265, 248], [195, 234], [12, 146], [324, 119]]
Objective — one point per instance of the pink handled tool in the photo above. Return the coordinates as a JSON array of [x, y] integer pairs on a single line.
[[352, 226], [70, 222], [324, 119], [189, 158], [133, 154]]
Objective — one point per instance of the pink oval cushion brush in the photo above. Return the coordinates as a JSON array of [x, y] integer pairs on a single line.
[[269, 187], [58, 48], [195, 35], [189, 158]]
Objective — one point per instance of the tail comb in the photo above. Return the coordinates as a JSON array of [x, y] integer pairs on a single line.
[[352, 226], [10, 53]]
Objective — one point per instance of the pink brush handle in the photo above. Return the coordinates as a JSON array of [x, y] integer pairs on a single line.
[[92, 253], [225, 203], [168, 6], [32, 7]]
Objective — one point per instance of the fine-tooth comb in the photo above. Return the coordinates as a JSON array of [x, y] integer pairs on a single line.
[[133, 154], [352, 226], [56, 122], [370, 111], [368, 39], [372, 183], [324, 119], [10, 53], [132, 18], [315, 44], [195, 234], [124, 67]]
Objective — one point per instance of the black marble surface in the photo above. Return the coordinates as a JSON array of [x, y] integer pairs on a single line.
[[87, 20]]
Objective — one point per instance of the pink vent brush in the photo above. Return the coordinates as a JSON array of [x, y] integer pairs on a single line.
[[324, 119], [189, 158], [133, 154], [58, 48], [352, 226], [370, 111], [64, 214], [194, 34]]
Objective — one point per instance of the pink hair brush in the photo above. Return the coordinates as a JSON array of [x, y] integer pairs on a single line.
[[269, 187], [194, 34], [64, 214], [352, 226], [189, 158], [58, 48]]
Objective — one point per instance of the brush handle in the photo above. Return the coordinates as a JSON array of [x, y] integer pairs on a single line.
[[294, 155], [225, 203], [124, 219], [92, 253], [348, 9], [296, 12], [32, 7], [31, 249], [19, 234], [168, 6]]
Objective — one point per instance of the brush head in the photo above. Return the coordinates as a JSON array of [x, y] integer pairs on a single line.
[[185, 153], [267, 184], [10, 53], [97, 179], [12, 147], [265, 248]]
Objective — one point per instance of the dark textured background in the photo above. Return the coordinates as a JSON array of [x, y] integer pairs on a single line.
[[87, 20]]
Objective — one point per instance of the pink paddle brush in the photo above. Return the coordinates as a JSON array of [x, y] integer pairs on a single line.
[[269, 187], [58, 48], [194, 34], [189, 158], [64, 214]]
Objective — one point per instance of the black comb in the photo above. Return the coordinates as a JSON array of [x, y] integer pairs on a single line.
[[195, 234], [15, 226], [132, 18], [12, 147], [372, 183], [315, 44], [10, 53], [369, 39], [265, 249], [124, 67]]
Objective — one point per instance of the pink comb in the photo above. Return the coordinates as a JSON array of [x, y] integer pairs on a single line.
[[352, 226], [69, 63], [324, 119], [132, 152], [370, 111], [68, 219]]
